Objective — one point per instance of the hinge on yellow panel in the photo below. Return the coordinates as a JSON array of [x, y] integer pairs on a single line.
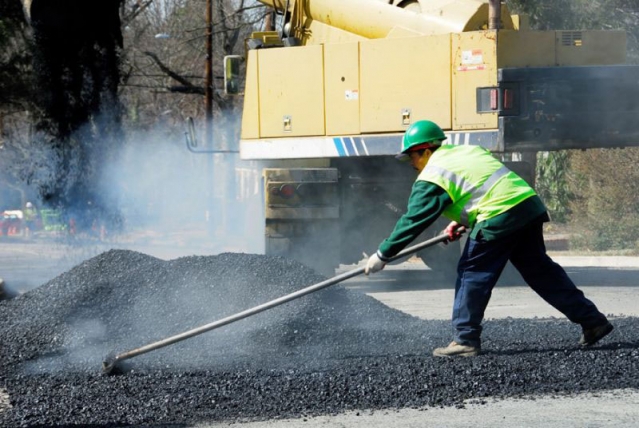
[[406, 116], [287, 123]]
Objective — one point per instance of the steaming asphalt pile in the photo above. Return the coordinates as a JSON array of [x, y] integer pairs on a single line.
[[331, 351]]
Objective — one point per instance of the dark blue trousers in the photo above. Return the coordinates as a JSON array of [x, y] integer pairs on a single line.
[[481, 264]]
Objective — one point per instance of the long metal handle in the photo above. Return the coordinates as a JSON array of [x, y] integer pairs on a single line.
[[110, 362]]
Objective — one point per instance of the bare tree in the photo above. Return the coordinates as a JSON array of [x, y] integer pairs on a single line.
[[166, 57]]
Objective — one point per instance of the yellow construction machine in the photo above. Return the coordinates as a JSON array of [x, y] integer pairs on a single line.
[[328, 97]]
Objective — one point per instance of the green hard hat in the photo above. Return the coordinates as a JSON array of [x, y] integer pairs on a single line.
[[422, 132]]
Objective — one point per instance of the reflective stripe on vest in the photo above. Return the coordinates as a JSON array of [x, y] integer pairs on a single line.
[[476, 193], [479, 185]]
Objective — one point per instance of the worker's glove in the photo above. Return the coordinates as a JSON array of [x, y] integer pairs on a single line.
[[375, 264], [454, 231]]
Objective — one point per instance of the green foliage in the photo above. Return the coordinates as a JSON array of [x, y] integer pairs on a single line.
[[551, 184], [605, 202]]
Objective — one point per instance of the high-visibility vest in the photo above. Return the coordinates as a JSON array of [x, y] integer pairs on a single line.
[[479, 185], [30, 214]]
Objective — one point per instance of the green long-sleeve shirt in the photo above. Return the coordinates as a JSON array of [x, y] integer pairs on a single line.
[[428, 201]]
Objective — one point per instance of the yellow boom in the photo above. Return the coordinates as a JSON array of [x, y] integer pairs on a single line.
[[376, 19]]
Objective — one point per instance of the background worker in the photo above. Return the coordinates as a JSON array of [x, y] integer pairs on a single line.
[[30, 216], [505, 217]]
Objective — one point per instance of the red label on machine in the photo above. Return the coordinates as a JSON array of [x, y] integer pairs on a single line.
[[472, 60], [471, 67]]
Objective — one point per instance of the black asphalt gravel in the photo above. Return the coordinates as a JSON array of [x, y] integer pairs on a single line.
[[325, 353]]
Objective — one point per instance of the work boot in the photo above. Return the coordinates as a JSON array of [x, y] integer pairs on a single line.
[[455, 349], [593, 335]]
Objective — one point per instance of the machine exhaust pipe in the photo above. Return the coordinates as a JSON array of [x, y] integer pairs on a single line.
[[494, 14]]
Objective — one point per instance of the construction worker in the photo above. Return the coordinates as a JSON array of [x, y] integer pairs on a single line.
[[30, 217], [504, 217]]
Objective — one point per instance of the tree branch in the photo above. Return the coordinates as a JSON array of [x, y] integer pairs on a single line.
[[185, 83]]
